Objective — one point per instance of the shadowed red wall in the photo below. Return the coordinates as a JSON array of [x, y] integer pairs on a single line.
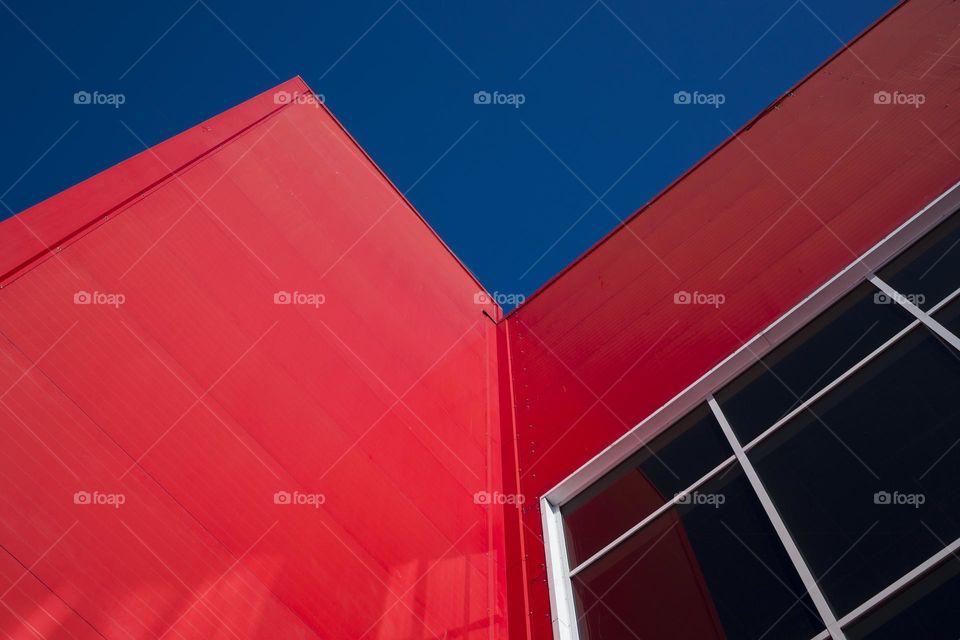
[[777, 210], [198, 399]]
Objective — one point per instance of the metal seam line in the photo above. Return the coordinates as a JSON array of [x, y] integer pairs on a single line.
[[806, 576]]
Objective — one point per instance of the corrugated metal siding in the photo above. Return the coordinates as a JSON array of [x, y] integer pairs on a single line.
[[215, 398]]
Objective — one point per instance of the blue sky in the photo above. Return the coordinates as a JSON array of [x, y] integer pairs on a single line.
[[518, 191]]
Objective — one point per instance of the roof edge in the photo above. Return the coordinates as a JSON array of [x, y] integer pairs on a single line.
[[745, 127], [43, 229]]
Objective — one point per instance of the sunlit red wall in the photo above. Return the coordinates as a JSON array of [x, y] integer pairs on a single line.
[[198, 398], [801, 191]]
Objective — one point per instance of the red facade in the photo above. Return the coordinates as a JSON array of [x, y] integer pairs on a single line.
[[303, 406]]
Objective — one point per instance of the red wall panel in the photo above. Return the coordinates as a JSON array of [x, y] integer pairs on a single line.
[[774, 212], [198, 398]]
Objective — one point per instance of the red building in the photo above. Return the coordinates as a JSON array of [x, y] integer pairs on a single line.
[[246, 391]]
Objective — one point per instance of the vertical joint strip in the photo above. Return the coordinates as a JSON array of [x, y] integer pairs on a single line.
[[806, 576], [558, 574]]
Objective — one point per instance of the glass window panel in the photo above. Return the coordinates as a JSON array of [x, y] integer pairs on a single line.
[[670, 463], [714, 568], [867, 480], [809, 360], [949, 316], [930, 269], [927, 609]]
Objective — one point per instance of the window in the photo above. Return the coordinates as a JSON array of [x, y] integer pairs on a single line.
[[809, 492]]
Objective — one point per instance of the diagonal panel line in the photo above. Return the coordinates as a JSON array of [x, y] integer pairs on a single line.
[[223, 623], [425, 573], [400, 400], [399, 200], [397, 402], [798, 199], [379, 579], [198, 200], [38, 560], [199, 400], [202, 401], [217, 581]]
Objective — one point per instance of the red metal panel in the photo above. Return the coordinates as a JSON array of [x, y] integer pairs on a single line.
[[603, 345], [198, 398]]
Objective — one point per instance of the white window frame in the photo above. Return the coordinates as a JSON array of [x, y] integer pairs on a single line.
[[559, 574]]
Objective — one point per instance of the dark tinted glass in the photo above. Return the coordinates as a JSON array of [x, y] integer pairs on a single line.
[[867, 479], [930, 269], [809, 360], [949, 316], [927, 610], [670, 463], [711, 569]]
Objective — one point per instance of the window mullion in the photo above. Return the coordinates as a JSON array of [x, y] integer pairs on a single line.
[[806, 576], [917, 312]]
